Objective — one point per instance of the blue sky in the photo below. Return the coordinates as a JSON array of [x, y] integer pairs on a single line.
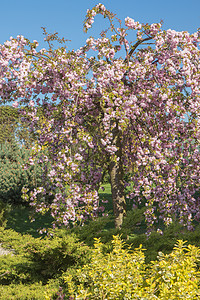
[[66, 17]]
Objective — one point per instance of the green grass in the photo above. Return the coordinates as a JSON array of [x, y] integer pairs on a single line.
[[19, 216], [106, 191], [105, 195], [19, 220], [133, 229]]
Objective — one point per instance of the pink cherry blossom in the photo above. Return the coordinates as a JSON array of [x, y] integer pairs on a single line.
[[15, 104], [116, 106]]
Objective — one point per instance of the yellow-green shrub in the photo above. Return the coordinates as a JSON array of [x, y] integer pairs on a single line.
[[122, 274], [117, 275], [175, 275], [37, 259], [35, 291]]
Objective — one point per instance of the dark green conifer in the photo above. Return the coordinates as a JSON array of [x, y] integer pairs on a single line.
[[13, 176]]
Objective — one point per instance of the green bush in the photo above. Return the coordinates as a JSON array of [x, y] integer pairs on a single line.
[[37, 259], [175, 276], [12, 174], [37, 267], [29, 291], [34, 267], [133, 232], [10, 239], [122, 274], [16, 269], [163, 243], [102, 227], [117, 275], [4, 212], [53, 255]]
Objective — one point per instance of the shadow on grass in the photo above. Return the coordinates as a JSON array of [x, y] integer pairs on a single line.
[[19, 216], [19, 220]]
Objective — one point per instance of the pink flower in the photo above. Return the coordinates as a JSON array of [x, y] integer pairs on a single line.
[[129, 22], [32, 103], [15, 104]]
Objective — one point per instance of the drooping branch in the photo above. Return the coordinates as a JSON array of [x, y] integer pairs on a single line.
[[133, 48]]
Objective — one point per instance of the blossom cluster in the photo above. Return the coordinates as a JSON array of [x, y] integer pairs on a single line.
[[130, 23]]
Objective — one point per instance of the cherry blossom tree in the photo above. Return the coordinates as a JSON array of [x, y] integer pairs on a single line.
[[127, 102]]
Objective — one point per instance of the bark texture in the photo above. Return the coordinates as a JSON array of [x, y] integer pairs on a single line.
[[117, 189], [117, 184]]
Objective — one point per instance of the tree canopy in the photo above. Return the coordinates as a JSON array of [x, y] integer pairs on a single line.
[[8, 123], [12, 128], [131, 107]]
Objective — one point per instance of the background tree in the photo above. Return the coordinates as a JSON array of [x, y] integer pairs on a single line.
[[16, 142], [123, 109], [12, 128], [8, 123], [13, 175]]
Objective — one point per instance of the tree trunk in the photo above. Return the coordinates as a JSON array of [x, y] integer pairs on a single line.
[[117, 184], [117, 189]]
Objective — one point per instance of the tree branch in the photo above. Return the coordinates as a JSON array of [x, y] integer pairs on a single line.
[[135, 46]]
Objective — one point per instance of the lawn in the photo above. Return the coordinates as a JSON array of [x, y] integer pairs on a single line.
[[19, 216]]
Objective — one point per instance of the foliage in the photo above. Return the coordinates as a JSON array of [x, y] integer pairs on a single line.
[[16, 269], [52, 256], [29, 291], [13, 175], [38, 267], [20, 219], [117, 114], [115, 275], [4, 212], [37, 259], [11, 239], [12, 127], [133, 232], [34, 266], [8, 123], [175, 275], [104, 229], [122, 274]]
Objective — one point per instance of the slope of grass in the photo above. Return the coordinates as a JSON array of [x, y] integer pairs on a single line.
[[18, 218], [133, 229]]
